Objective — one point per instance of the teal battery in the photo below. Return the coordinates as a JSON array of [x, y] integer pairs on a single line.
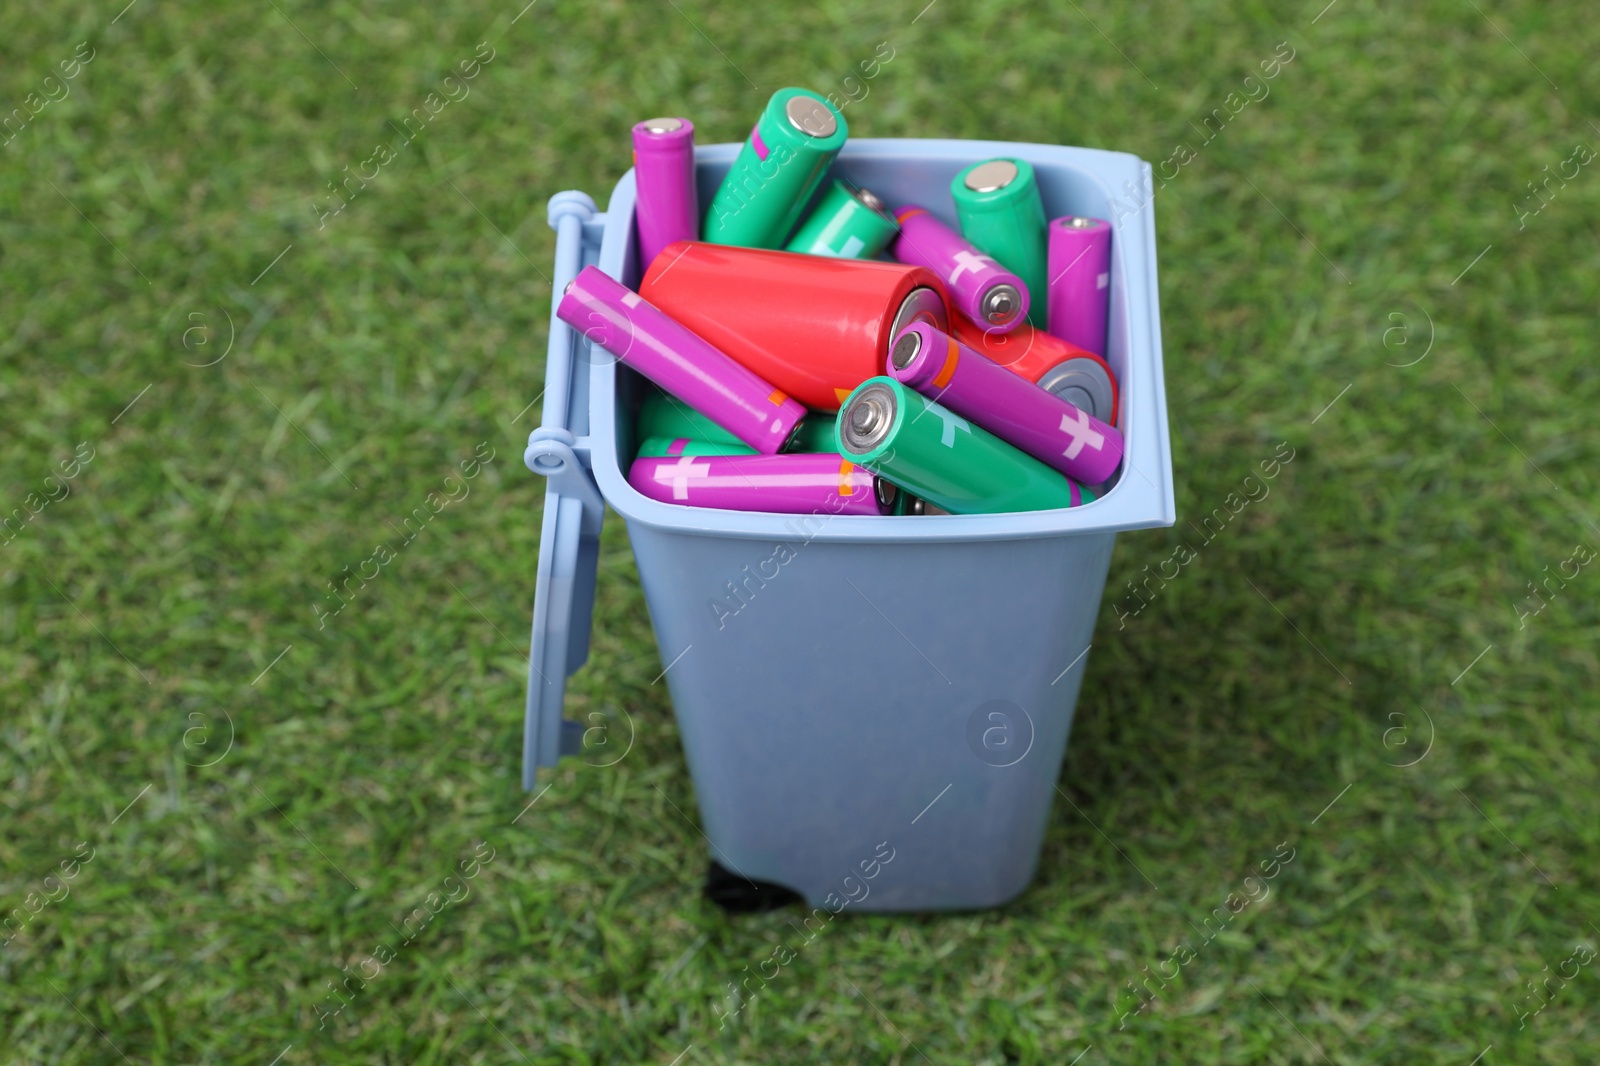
[[848, 223], [945, 460], [776, 172]]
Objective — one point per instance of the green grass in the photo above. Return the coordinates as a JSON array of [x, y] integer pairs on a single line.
[[140, 613]]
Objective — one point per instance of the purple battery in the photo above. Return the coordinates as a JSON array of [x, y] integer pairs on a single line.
[[794, 483], [619, 320], [1080, 281], [666, 209], [980, 288], [1018, 412]]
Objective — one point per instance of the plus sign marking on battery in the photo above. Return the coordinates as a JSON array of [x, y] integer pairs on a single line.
[[1081, 433], [951, 421], [681, 473], [968, 263]]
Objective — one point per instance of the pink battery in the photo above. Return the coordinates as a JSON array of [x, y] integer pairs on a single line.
[[620, 321], [666, 207], [1080, 281], [1020, 413], [795, 483], [980, 288]]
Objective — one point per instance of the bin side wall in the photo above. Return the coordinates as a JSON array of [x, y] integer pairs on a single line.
[[828, 692]]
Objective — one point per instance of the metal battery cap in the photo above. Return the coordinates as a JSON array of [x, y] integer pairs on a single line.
[[1002, 304], [921, 304], [662, 125], [871, 202], [868, 419], [885, 491], [1083, 383], [905, 349], [794, 436], [992, 176], [810, 116], [1077, 222]]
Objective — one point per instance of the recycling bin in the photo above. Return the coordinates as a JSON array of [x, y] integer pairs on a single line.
[[873, 710]]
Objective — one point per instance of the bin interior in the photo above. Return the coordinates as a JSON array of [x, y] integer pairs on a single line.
[[1074, 181]]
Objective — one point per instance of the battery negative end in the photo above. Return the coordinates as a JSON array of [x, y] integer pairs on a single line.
[[921, 304], [1082, 382], [662, 125], [905, 349], [810, 116], [992, 176]]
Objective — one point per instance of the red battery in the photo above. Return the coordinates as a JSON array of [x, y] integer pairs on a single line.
[[1075, 374], [813, 326]]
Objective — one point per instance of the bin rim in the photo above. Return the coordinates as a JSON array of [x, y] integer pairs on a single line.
[[1142, 498]]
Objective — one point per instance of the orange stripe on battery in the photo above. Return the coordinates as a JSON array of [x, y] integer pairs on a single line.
[[946, 372], [845, 487], [909, 212], [777, 397], [842, 394], [677, 446]]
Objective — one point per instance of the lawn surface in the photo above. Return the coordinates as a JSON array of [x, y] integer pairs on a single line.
[[252, 387]]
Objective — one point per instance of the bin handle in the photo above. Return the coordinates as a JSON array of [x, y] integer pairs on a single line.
[[569, 542]]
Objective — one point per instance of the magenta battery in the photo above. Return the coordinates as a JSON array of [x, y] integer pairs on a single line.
[[1017, 411], [1079, 263], [666, 207], [980, 288], [619, 320], [795, 483]]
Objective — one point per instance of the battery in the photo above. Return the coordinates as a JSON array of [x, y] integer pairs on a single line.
[[788, 484], [1079, 261], [815, 327], [980, 288], [998, 205], [781, 164], [624, 324], [656, 447], [935, 454], [1023, 415], [666, 208], [848, 223], [1080, 377], [814, 435]]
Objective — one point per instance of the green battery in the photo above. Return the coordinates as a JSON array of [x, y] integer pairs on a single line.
[[847, 224], [780, 166], [668, 448], [815, 434], [998, 205], [904, 437], [668, 418]]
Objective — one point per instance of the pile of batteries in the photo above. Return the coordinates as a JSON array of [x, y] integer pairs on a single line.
[[869, 361]]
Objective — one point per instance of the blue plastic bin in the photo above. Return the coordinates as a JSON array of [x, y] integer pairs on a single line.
[[893, 685]]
